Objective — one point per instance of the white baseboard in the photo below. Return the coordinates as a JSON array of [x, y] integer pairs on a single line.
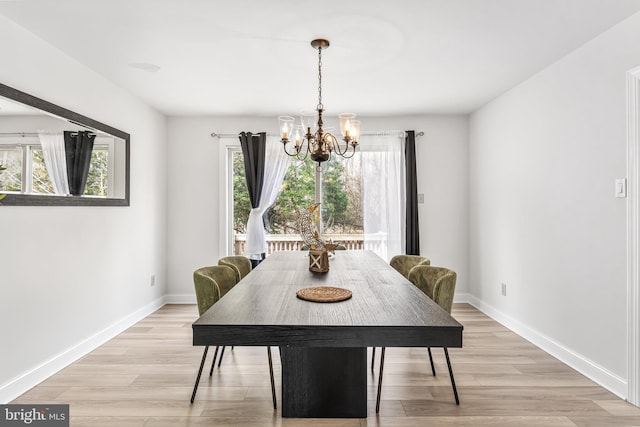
[[586, 367], [462, 298], [180, 299], [17, 386]]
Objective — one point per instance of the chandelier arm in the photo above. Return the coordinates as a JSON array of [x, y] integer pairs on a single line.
[[292, 154], [345, 154], [303, 158], [339, 149]]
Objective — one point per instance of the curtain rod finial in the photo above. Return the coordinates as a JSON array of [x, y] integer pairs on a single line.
[[214, 135]]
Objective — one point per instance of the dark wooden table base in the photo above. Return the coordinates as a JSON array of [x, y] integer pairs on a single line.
[[324, 382]]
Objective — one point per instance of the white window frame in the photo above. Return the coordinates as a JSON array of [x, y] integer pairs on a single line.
[[227, 146]]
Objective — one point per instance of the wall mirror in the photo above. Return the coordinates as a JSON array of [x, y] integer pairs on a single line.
[[37, 148]]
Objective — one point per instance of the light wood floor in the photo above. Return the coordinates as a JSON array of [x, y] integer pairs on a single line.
[[144, 377]]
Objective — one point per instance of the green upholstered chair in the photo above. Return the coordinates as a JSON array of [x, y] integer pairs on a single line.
[[439, 284], [211, 284], [404, 263], [240, 264]]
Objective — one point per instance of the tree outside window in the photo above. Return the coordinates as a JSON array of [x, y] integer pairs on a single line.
[[341, 197]]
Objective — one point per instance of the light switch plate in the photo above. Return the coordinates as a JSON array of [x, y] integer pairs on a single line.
[[621, 188], [421, 198]]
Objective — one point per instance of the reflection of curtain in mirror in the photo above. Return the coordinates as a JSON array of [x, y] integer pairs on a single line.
[[55, 159], [78, 148], [383, 193]]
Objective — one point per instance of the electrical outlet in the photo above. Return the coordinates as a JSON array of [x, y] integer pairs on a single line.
[[153, 280], [503, 289]]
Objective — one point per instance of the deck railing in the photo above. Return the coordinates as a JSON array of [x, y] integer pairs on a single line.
[[293, 242]]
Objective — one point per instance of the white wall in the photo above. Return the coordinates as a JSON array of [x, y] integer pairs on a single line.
[[544, 220], [193, 211], [67, 273]]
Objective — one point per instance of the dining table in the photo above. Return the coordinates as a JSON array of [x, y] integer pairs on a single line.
[[323, 345]]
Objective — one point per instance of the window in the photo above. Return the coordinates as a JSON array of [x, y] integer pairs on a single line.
[[11, 178], [98, 181], [341, 203], [40, 181]]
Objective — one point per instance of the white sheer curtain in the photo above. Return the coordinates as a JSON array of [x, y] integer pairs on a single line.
[[56, 160], [276, 164], [384, 193]]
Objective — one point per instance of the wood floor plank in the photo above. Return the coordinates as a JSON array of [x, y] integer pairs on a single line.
[[144, 378], [503, 408], [133, 408], [157, 393], [97, 379], [41, 394], [479, 421], [619, 408], [606, 421], [108, 421]]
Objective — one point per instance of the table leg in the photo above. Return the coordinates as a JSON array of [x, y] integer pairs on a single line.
[[320, 382]]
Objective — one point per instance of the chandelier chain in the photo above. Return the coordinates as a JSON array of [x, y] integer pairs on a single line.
[[320, 106]]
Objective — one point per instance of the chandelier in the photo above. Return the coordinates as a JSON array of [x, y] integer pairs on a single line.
[[310, 138]]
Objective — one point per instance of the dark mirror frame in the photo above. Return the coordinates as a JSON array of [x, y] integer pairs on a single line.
[[75, 118]]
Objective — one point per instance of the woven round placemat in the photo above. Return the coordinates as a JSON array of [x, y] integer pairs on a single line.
[[324, 294]]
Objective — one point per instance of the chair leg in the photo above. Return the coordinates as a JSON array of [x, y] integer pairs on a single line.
[[453, 382], [433, 369], [221, 354], [215, 355], [373, 357], [380, 379], [273, 384], [195, 387]]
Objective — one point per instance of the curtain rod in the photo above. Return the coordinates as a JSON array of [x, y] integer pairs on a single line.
[[32, 134], [21, 134], [233, 135]]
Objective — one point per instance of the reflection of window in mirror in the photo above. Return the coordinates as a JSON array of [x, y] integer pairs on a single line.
[[27, 172], [11, 178]]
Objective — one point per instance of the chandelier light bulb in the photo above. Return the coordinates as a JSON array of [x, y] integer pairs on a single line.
[[286, 124], [297, 133]]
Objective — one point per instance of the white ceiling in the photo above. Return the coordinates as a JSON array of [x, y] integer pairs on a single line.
[[253, 56]]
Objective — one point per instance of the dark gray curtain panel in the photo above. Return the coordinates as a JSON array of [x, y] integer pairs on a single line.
[[413, 233], [253, 151], [78, 147]]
